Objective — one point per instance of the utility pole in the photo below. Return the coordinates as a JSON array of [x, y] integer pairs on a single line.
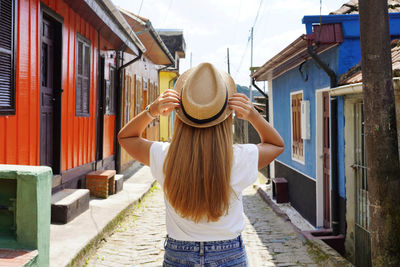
[[227, 55], [383, 170], [251, 63]]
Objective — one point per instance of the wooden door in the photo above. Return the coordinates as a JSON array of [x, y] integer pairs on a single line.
[[327, 158], [100, 111], [50, 94]]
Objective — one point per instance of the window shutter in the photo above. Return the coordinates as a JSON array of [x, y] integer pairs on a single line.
[[7, 89]]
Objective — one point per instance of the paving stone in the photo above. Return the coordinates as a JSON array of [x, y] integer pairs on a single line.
[[139, 239]]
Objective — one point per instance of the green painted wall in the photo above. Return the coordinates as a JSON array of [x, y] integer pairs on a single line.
[[31, 187]]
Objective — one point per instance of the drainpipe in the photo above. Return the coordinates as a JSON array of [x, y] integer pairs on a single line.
[[334, 141], [119, 105]]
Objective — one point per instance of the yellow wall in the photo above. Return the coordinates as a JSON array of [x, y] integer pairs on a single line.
[[166, 81]]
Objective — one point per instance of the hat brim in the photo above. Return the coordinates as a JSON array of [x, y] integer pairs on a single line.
[[231, 89]]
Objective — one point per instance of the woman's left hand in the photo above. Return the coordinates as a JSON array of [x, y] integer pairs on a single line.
[[165, 103]]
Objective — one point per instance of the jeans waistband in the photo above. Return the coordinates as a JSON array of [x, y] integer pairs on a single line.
[[208, 246]]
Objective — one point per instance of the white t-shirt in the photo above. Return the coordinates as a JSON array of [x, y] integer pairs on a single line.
[[244, 173]]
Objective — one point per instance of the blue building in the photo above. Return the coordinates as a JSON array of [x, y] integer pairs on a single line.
[[312, 106]]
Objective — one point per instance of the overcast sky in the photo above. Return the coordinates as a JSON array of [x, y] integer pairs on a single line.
[[211, 26]]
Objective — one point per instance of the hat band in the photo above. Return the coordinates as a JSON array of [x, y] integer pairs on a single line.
[[202, 121]]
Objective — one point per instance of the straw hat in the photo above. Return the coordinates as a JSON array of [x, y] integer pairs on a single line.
[[204, 92]]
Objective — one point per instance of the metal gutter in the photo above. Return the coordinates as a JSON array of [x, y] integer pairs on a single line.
[[356, 88], [155, 35], [122, 22], [347, 89], [149, 28]]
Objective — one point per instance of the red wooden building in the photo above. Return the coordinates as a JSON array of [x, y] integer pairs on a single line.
[[60, 70]]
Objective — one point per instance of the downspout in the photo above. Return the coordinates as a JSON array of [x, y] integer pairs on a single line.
[[334, 141], [119, 105]]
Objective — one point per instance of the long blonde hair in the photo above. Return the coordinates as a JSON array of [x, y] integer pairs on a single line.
[[197, 170]]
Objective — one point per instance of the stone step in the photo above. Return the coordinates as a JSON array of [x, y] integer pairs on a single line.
[[68, 203], [119, 182]]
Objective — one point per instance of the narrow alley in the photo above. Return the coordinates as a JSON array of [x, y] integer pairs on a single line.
[[139, 239]]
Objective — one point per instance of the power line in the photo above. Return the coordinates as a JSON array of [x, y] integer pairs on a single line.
[[236, 22], [248, 40], [140, 8], [169, 7]]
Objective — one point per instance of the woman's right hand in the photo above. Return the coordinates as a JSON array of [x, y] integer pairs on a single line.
[[242, 106], [165, 103]]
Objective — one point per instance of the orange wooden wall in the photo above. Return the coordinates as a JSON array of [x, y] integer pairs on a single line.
[[19, 134]]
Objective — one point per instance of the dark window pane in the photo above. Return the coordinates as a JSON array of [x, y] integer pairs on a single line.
[[83, 77], [80, 57], [87, 62]]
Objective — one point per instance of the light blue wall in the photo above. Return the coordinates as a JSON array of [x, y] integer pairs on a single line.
[[349, 54], [340, 59], [292, 81]]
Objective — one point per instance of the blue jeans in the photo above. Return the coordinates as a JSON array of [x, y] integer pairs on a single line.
[[211, 253]]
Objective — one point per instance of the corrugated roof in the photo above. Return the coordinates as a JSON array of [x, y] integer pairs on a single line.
[[351, 7], [354, 75]]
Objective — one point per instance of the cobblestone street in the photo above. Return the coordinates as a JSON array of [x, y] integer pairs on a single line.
[[139, 239]]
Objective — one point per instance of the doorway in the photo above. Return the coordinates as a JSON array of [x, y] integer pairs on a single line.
[[100, 111], [323, 184], [362, 222], [50, 93]]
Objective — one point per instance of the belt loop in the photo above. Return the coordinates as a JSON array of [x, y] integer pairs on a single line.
[[165, 241], [240, 240], [201, 248]]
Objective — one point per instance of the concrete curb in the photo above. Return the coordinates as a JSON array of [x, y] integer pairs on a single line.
[[323, 253], [91, 247]]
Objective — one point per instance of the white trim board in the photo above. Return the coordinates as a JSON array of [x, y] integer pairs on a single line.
[[319, 162]]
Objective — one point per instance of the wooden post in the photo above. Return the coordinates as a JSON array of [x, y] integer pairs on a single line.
[[380, 133]]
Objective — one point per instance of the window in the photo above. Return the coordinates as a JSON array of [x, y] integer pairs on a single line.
[[138, 96], [127, 99], [297, 141], [7, 57], [110, 93], [82, 86]]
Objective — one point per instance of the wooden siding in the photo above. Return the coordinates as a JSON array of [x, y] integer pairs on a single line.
[[19, 134], [136, 97]]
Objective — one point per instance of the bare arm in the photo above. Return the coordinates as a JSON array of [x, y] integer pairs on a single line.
[[272, 144], [130, 135]]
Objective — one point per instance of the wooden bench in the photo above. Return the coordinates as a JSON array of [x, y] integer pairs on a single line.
[[101, 183], [280, 190]]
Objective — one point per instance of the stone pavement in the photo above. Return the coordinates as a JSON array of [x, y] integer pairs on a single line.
[[139, 239]]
